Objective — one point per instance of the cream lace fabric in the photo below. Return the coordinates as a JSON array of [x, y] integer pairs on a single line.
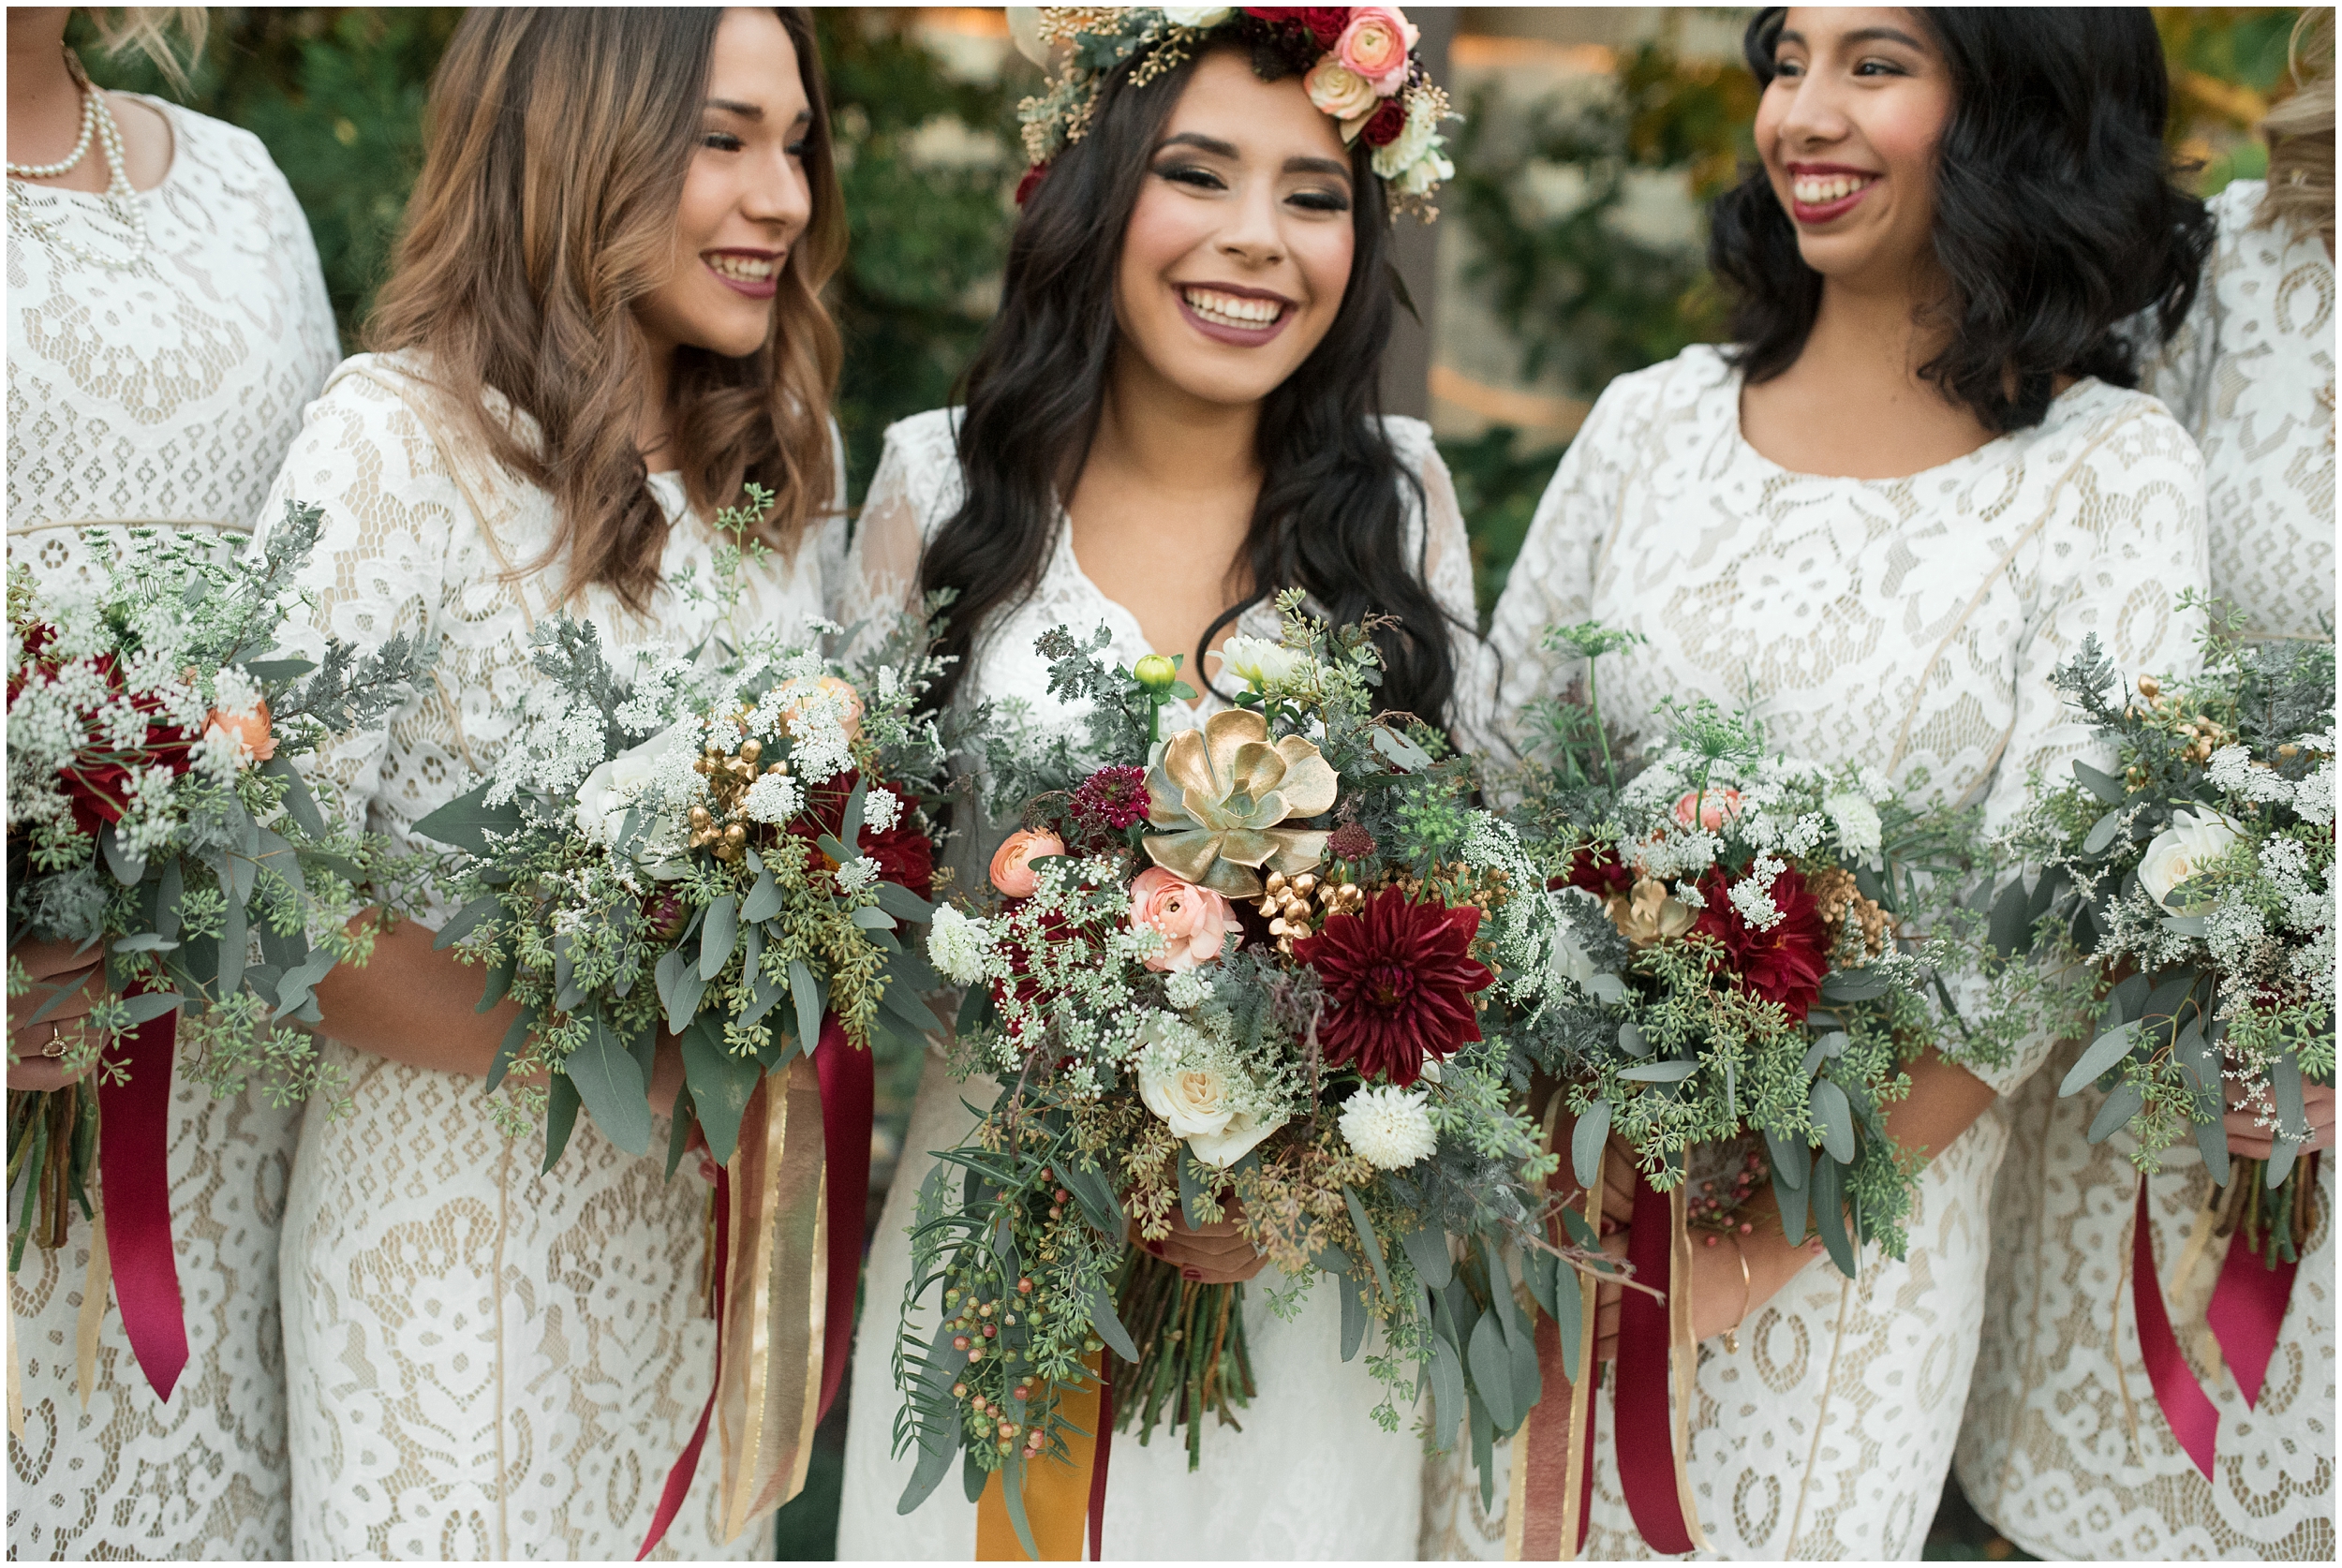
[[1310, 1475], [167, 393], [2251, 375], [1910, 623], [2065, 1448], [483, 1361]]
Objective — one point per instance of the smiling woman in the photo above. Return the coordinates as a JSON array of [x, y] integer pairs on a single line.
[[604, 321]]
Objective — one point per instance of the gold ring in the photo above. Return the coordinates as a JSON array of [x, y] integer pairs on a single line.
[[56, 1043]]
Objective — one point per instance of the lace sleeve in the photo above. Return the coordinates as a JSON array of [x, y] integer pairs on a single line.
[[1552, 582], [1447, 573], [831, 532], [2130, 517], [880, 581], [380, 566]]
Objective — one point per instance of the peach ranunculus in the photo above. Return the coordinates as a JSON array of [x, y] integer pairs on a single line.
[[1010, 872], [250, 728], [1337, 90], [798, 697], [1708, 809], [1375, 45], [1193, 920]]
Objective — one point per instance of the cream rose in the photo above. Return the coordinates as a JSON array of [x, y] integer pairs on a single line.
[[1197, 16], [1196, 1101], [1193, 920], [611, 791], [2195, 840], [1337, 90]]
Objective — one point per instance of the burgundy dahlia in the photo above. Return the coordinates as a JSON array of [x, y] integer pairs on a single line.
[[1398, 979], [1598, 870], [1324, 22], [1783, 965], [905, 856]]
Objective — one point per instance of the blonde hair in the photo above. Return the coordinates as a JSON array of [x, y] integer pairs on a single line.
[[2300, 131], [558, 145], [148, 29]]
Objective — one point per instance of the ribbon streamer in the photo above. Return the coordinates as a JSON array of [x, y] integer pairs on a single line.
[[1059, 1497], [134, 1173], [1654, 1359], [2186, 1408], [790, 1206], [1550, 1503], [2247, 1307]]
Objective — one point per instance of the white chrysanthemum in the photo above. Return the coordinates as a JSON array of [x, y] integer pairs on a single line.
[[774, 797], [880, 810], [1389, 1127], [1262, 664], [956, 946], [1859, 830], [857, 874]]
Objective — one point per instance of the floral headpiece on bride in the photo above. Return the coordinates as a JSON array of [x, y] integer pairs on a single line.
[[1357, 63]]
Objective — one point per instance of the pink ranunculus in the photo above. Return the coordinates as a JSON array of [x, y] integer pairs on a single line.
[[1010, 872], [251, 729], [1193, 920], [1337, 90], [1708, 809], [1375, 45]]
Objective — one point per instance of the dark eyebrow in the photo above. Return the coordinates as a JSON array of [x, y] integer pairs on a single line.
[[1865, 34], [733, 105], [1218, 148]]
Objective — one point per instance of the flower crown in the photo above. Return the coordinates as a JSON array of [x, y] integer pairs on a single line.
[[1356, 63]]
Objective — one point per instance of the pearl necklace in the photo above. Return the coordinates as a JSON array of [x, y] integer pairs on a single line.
[[120, 197]]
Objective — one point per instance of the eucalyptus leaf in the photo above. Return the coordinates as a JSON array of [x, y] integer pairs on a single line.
[[466, 921], [1828, 1107], [300, 804], [170, 887], [128, 868], [1586, 1141], [764, 901], [509, 1048], [1673, 1071], [609, 1084], [1367, 1240], [1109, 1327], [903, 904], [467, 821], [2123, 1102], [1354, 1316], [1447, 1392], [560, 1115], [1426, 1246], [1829, 1214], [2102, 832], [719, 935], [1491, 1361], [2104, 785], [2104, 1052], [809, 999], [148, 1006], [720, 1085]]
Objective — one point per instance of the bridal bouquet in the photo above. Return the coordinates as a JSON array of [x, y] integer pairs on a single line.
[[2202, 874], [155, 820], [1250, 972], [692, 841]]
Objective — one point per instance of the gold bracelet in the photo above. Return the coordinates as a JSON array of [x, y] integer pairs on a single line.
[[1748, 1293]]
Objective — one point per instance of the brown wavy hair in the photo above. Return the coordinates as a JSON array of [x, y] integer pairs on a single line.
[[2301, 133], [558, 145]]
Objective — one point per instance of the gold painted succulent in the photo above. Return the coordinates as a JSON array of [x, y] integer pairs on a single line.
[[1221, 794], [1296, 905], [724, 830], [1650, 913]]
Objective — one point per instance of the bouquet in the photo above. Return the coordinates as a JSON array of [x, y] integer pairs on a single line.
[[1253, 971], [2198, 878], [691, 843], [1784, 937], [156, 820], [721, 842]]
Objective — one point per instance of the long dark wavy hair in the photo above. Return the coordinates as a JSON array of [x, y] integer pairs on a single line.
[[2057, 217], [1331, 517]]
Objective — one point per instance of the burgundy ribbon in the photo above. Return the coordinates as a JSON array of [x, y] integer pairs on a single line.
[[2248, 1308], [2187, 1410], [688, 1463], [1641, 1420], [848, 1087], [134, 1171], [1099, 1454]]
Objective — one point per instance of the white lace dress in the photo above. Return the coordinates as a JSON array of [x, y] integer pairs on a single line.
[[483, 1362], [162, 391], [1910, 623], [1310, 1475], [2065, 1448]]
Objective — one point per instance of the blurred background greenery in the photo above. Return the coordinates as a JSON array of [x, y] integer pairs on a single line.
[[1571, 251]]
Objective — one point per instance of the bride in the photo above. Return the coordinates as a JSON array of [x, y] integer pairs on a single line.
[[1173, 418], [604, 318]]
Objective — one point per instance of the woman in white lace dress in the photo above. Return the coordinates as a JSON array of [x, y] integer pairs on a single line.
[[167, 321], [1879, 520], [590, 341], [2065, 1448], [1204, 460]]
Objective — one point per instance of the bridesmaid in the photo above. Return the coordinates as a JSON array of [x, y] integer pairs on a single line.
[[167, 321], [603, 319], [2064, 1449], [1174, 417], [1911, 484]]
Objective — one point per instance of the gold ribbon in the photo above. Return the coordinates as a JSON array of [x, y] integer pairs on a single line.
[[1057, 1494], [1544, 1512], [769, 1386], [95, 1290]]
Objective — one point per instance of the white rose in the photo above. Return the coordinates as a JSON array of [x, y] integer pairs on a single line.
[[1197, 16], [1337, 90], [2195, 839], [1238, 1139], [611, 790], [1859, 830], [1194, 1101]]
